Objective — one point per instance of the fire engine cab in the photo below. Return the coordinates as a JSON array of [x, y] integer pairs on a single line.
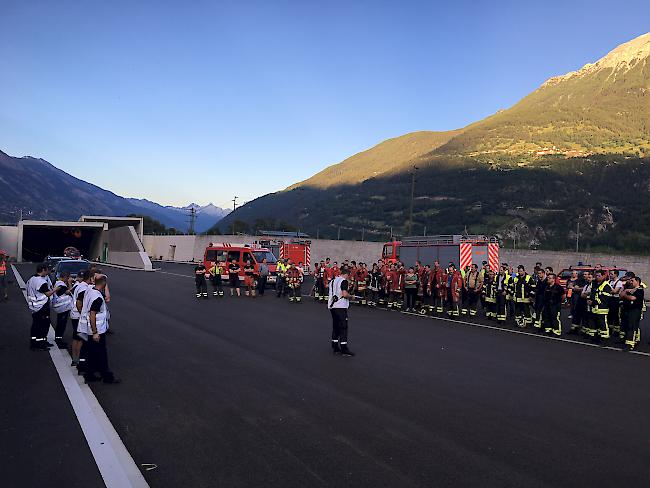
[[224, 253]]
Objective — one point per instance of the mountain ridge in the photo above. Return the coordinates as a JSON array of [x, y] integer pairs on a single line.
[[584, 128], [39, 190]]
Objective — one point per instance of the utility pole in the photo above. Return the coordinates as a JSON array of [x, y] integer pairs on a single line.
[[363, 233], [425, 230], [192, 220], [410, 228], [234, 206], [577, 236], [338, 236]]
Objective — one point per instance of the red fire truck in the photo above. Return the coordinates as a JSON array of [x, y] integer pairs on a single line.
[[224, 253], [462, 250], [298, 250]]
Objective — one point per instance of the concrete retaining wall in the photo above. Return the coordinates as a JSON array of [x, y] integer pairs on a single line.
[[188, 248], [191, 248]]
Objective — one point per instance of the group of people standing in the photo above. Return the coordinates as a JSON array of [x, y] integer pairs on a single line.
[[602, 305], [289, 278], [83, 301]]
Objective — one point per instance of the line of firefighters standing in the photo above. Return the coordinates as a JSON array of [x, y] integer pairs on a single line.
[[601, 305]]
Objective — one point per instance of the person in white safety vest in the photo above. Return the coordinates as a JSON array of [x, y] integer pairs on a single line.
[[338, 302], [78, 290], [39, 291], [61, 305], [93, 326]]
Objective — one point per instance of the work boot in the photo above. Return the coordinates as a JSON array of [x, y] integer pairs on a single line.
[[346, 352], [336, 349], [110, 378], [61, 344]]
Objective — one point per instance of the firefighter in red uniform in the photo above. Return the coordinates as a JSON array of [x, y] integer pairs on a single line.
[[389, 282], [294, 280], [453, 282], [424, 291], [437, 288], [398, 286], [360, 277]]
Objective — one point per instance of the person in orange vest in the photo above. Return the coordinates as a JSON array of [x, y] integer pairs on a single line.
[[3, 275]]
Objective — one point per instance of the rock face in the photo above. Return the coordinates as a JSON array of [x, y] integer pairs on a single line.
[[561, 155]]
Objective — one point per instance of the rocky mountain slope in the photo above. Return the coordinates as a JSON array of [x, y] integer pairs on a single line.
[[576, 150]]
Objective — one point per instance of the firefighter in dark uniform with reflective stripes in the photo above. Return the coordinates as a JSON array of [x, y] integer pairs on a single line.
[[502, 291], [522, 287], [199, 281], [601, 292], [538, 307], [552, 304], [632, 303], [490, 295]]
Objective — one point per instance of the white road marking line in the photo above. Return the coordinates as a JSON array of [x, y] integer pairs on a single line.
[[115, 464], [175, 274]]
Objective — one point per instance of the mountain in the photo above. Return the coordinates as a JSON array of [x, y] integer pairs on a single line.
[[42, 191], [179, 217], [602, 108], [574, 151]]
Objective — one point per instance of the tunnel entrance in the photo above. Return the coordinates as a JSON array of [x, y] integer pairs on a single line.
[[40, 241]]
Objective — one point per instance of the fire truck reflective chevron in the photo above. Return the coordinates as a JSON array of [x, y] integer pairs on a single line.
[[465, 254], [493, 255]]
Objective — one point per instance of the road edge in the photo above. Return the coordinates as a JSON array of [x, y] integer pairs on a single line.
[[115, 464]]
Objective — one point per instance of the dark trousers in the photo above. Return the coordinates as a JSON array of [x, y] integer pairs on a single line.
[[61, 323], [410, 297], [600, 326], [295, 292], [490, 308], [74, 323], [631, 319], [522, 314], [97, 358], [280, 286], [40, 325], [320, 287], [472, 301], [201, 288], [464, 301], [373, 297], [261, 284], [339, 326], [613, 318], [501, 307], [217, 286], [551, 318]]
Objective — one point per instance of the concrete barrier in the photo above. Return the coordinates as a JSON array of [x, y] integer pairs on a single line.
[[191, 248]]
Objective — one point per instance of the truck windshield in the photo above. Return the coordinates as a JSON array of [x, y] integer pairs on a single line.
[[270, 258]]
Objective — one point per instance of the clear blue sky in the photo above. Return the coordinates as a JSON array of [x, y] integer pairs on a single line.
[[197, 101]]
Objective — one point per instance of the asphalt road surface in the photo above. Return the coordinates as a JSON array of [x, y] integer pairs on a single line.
[[245, 392]]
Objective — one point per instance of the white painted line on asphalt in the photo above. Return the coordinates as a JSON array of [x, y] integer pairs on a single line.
[[174, 274], [119, 266], [115, 464]]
